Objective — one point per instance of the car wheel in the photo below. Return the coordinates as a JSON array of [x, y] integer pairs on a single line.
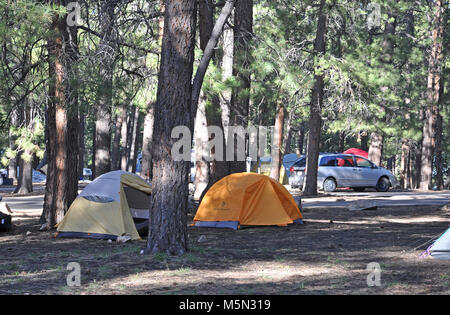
[[359, 189], [329, 185], [383, 185]]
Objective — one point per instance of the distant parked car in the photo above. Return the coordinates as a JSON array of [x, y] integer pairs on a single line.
[[87, 173], [343, 170], [3, 176]]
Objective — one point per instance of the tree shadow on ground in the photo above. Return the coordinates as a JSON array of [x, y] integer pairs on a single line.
[[315, 258]]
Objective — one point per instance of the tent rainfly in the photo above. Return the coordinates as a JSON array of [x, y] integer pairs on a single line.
[[247, 199], [105, 209]]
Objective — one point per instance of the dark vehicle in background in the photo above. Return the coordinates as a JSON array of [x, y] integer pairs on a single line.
[[4, 180]]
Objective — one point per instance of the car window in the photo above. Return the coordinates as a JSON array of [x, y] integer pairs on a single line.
[[361, 162], [300, 163], [328, 161], [345, 161]]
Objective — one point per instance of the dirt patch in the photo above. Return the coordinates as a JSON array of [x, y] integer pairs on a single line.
[[329, 254]]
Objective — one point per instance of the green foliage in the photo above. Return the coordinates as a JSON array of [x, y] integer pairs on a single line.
[[23, 72]]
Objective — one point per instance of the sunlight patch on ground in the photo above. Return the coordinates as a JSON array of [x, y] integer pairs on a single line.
[[423, 219]]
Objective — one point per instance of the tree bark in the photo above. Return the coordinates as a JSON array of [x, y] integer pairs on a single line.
[[438, 154], [315, 119], [287, 135], [25, 181], [418, 164], [377, 137], [12, 166], [227, 73], [276, 144], [433, 96], [168, 206], [62, 144], [124, 140], [219, 167], [240, 100], [94, 146], [131, 122], [81, 144], [301, 139], [147, 142], [201, 149], [376, 148], [207, 55], [115, 155], [206, 21], [364, 141], [404, 164], [107, 55], [447, 182], [206, 24], [341, 141], [209, 37], [131, 167]]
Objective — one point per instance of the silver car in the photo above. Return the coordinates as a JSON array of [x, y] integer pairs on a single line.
[[344, 170]]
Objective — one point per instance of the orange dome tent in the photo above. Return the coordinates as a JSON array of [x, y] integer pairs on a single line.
[[247, 199]]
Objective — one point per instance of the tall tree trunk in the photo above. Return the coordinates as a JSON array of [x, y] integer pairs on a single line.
[[433, 96], [301, 139], [137, 140], [376, 147], [12, 166], [25, 158], [168, 206], [218, 168], [404, 164], [417, 163], [94, 149], [115, 155], [206, 24], [288, 141], [409, 174], [201, 149], [131, 166], [438, 154], [62, 145], [81, 144], [162, 9], [287, 137], [377, 137], [25, 181], [227, 73], [124, 140], [206, 21], [147, 142], [107, 55], [240, 100], [447, 182], [131, 122], [364, 141], [315, 119], [390, 164], [341, 141], [276, 144]]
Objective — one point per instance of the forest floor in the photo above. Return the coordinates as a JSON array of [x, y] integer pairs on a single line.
[[329, 254]]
